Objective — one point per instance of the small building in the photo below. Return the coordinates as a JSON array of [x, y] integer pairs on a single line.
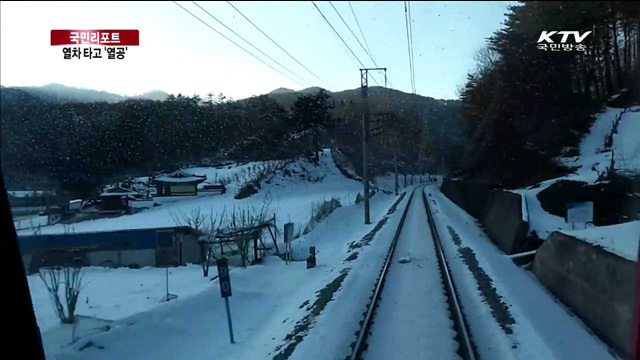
[[177, 183], [30, 202], [33, 198], [116, 198], [75, 205], [161, 246]]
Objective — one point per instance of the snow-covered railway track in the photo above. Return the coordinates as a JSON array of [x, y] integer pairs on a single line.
[[414, 311]]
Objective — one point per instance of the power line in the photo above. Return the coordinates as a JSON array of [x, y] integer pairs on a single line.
[[250, 44], [280, 47], [359, 28], [354, 35], [363, 37], [236, 44], [413, 59], [340, 37], [406, 21]]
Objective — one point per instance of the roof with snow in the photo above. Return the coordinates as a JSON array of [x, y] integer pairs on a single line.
[[179, 176]]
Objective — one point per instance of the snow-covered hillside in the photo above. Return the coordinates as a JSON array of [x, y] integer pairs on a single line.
[[594, 158], [593, 161], [270, 301], [292, 192]]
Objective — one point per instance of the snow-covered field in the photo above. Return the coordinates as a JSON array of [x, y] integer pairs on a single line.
[[291, 196], [593, 160], [30, 221], [233, 173], [283, 309], [270, 301], [114, 294]]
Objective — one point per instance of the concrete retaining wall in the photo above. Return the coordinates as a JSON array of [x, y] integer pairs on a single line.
[[500, 212], [502, 218], [596, 284]]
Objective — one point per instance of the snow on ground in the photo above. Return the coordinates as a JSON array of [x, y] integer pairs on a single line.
[[114, 294], [387, 182], [540, 221], [334, 331], [626, 142], [412, 320], [291, 199], [269, 302], [30, 221], [231, 172], [592, 152], [543, 328], [620, 239], [626, 145]]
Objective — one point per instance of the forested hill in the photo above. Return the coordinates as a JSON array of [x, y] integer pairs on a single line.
[[380, 99], [57, 93], [81, 145], [442, 122], [524, 106]]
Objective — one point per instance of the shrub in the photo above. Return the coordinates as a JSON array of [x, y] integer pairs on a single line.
[[242, 223], [247, 190], [320, 211]]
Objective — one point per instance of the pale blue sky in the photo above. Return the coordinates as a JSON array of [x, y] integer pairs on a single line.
[[179, 54]]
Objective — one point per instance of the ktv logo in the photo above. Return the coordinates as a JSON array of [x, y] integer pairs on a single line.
[[546, 42]]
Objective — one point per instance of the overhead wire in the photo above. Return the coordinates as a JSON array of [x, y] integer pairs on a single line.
[[236, 44], [354, 35], [249, 43], [359, 28], [340, 37], [413, 60], [406, 20], [278, 45], [364, 38]]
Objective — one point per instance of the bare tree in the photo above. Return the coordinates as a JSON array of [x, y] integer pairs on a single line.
[[72, 279], [194, 219], [244, 223], [207, 244]]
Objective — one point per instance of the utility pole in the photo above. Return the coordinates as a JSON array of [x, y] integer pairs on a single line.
[[364, 87]]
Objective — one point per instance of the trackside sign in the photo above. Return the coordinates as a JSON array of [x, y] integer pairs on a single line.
[[578, 213]]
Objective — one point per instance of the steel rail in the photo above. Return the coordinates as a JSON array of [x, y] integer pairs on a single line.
[[466, 349], [361, 344]]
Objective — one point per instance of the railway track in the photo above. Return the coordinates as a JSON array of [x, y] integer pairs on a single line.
[[414, 285]]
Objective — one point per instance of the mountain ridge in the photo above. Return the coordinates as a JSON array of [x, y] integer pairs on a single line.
[[59, 93]]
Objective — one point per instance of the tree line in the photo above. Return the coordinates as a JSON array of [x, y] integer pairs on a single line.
[[78, 147], [523, 106], [82, 145]]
